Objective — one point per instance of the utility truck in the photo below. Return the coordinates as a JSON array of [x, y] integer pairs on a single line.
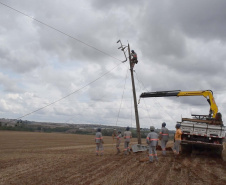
[[201, 132]]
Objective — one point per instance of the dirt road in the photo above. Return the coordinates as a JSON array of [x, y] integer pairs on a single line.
[[41, 158]]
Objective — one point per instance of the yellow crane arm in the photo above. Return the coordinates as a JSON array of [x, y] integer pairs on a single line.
[[208, 94]]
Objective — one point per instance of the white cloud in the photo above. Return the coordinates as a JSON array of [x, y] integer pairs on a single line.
[[180, 45]]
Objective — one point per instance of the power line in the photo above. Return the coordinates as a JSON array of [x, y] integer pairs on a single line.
[[140, 83], [103, 52], [156, 101], [122, 98], [70, 93], [51, 27]]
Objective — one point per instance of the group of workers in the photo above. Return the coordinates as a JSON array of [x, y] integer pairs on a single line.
[[152, 138], [118, 136], [127, 134], [152, 141]]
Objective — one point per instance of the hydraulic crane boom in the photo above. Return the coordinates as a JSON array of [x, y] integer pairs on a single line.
[[204, 133], [208, 94]]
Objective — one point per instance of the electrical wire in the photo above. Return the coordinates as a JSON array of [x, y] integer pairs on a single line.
[[70, 93], [78, 40], [122, 98], [158, 102], [53, 28], [139, 83]]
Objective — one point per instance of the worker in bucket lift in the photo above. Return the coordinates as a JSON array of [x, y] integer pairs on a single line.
[[134, 58], [164, 137], [99, 142], [118, 141], [177, 140], [152, 141], [127, 138]]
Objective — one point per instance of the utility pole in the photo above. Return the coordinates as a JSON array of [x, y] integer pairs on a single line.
[[134, 99], [134, 90]]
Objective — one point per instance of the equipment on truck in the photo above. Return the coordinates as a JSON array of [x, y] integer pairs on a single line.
[[202, 132]]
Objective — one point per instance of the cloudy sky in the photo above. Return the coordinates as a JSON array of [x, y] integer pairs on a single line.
[[60, 59]]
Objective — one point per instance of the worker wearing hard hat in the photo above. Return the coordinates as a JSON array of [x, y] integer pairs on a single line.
[[134, 58], [99, 142], [177, 139], [152, 141], [164, 137], [127, 138]]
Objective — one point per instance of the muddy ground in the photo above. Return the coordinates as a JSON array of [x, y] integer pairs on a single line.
[[50, 158]]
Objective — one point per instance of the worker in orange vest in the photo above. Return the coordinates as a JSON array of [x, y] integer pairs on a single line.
[[164, 137], [177, 140]]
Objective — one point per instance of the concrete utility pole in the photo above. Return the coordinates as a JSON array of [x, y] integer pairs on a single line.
[[135, 99]]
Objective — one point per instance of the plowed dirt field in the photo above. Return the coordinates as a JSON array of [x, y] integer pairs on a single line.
[[52, 158]]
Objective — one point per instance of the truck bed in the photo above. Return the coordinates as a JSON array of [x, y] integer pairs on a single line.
[[210, 122], [202, 128]]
